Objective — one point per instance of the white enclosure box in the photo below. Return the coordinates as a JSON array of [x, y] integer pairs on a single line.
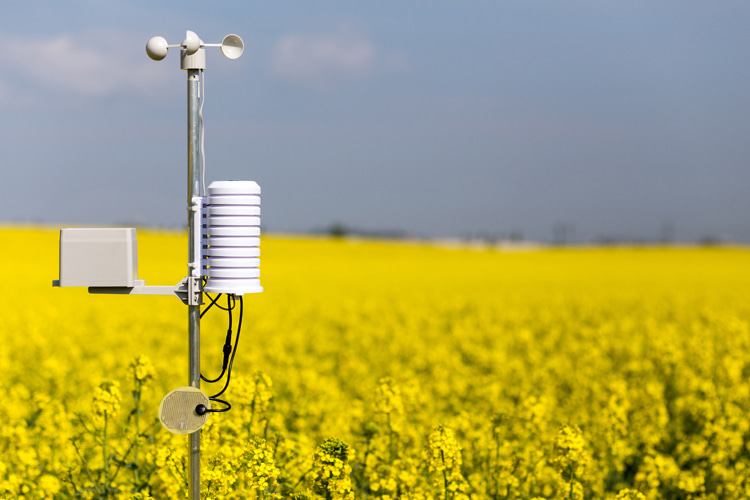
[[98, 257]]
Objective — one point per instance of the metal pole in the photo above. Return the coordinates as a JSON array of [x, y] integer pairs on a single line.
[[193, 59], [194, 329]]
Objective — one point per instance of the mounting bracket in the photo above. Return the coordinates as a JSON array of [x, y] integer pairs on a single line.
[[186, 290]]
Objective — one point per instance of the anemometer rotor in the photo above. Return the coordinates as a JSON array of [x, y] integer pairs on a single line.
[[231, 46]]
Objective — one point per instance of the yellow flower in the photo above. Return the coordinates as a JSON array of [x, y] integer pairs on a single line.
[[50, 485], [571, 456], [443, 451], [142, 370], [106, 400], [141, 496], [331, 470], [444, 455], [263, 391], [628, 494], [388, 397], [260, 469]]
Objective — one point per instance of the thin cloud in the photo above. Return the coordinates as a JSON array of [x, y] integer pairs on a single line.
[[321, 61], [100, 65]]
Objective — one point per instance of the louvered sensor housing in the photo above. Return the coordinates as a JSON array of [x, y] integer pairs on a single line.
[[231, 236]]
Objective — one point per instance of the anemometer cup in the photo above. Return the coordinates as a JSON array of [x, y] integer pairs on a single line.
[[156, 48], [232, 46]]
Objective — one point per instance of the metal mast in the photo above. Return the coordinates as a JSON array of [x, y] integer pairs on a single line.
[[194, 285], [193, 59]]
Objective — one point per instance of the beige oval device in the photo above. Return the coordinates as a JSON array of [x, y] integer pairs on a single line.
[[177, 410]]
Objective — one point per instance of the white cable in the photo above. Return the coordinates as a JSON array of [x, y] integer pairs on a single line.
[[203, 132]]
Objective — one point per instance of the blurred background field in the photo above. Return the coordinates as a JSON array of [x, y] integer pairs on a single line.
[[638, 353]]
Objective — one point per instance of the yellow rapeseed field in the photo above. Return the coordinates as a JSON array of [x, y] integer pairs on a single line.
[[388, 370]]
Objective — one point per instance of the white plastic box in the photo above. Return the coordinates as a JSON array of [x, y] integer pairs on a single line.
[[98, 257]]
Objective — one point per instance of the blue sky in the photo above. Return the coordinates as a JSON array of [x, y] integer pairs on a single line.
[[443, 118]]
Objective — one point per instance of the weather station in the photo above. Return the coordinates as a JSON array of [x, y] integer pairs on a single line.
[[223, 221]]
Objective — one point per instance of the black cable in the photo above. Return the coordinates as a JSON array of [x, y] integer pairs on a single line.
[[222, 308], [220, 410], [231, 360], [213, 303], [227, 341], [231, 302], [202, 410]]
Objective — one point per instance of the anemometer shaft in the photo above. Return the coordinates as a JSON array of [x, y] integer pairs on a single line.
[[194, 318]]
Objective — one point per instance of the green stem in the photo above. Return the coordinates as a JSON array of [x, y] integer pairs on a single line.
[[72, 481], [364, 471], [83, 463], [572, 479], [137, 431], [445, 475], [390, 436], [497, 469], [105, 459], [179, 476], [302, 477], [252, 416]]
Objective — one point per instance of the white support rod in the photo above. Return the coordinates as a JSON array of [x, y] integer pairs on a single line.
[[196, 265]]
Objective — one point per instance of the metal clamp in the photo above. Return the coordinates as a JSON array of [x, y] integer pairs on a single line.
[[194, 292]]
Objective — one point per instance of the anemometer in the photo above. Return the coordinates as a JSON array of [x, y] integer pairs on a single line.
[[223, 256]]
